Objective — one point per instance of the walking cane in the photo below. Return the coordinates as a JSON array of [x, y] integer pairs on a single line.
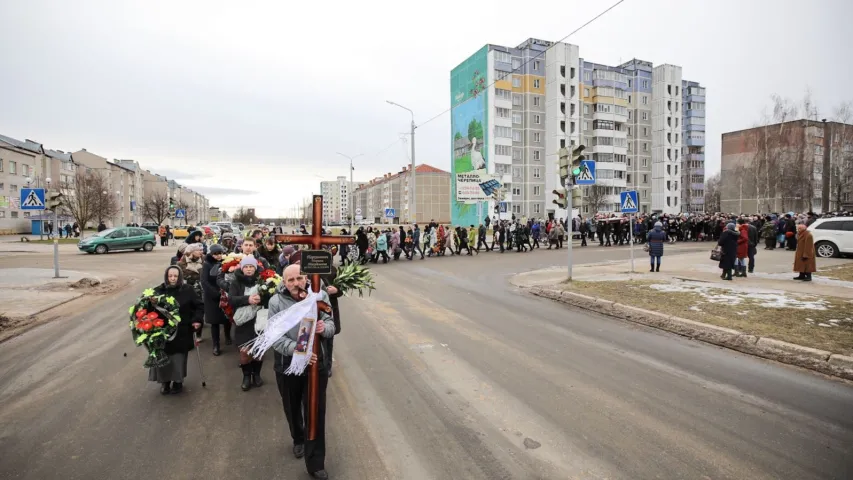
[[198, 356]]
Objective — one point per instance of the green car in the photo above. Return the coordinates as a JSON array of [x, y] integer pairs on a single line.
[[120, 238]]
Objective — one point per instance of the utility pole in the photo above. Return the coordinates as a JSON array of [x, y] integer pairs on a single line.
[[412, 181], [350, 190]]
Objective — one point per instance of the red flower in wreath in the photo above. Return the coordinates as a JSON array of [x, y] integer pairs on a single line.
[[267, 274], [152, 316], [159, 323], [145, 325]]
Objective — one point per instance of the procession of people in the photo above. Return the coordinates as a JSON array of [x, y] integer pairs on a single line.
[[202, 289]]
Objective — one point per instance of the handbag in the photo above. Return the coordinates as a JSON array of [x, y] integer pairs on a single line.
[[646, 247], [717, 254]]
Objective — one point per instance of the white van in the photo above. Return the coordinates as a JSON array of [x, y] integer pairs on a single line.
[[833, 236]]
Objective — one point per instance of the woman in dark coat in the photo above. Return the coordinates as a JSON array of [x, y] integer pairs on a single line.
[[171, 377], [728, 244], [657, 237], [742, 248], [195, 237], [244, 278], [213, 315]]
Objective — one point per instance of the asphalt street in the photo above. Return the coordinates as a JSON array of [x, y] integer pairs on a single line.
[[445, 372]]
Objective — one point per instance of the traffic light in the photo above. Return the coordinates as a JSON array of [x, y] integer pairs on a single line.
[[576, 196], [577, 158], [171, 204], [561, 198], [563, 164], [53, 200]]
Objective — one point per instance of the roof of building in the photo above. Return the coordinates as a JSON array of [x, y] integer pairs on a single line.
[[28, 145], [422, 168], [59, 154]]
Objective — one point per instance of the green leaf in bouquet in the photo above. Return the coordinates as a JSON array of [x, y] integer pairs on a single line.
[[148, 292], [141, 338]]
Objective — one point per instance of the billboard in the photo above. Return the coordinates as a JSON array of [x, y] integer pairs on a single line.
[[469, 138]]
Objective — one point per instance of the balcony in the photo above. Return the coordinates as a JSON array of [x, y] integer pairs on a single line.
[[695, 142], [696, 156], [695, 98], [697, 171], [697, 186], [695, 113], [612, 116]]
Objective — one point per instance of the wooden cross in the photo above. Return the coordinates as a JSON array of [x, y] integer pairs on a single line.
[[316, 240]]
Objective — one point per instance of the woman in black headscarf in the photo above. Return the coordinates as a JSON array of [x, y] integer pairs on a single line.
[[190, 308]]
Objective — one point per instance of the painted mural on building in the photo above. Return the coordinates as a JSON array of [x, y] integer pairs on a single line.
[[469, 139]]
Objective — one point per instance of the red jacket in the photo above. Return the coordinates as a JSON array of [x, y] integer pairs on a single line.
[[743, 241]]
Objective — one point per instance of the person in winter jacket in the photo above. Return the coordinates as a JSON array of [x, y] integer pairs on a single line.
[[728, 244], [171, 377], [239, 295], [293, 388], [270, 251], [742, 248], [656, 239], [381, 249], [213, 315], [804, 258], [768, 231]]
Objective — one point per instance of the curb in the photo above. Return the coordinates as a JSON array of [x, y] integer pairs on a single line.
[[811, 358]]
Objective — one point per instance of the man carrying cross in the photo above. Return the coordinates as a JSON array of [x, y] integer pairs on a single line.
[[294, 388]]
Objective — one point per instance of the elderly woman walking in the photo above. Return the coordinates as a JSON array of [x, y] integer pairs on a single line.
[[728, 244], [804, 259], [171, 377], [657, 238]]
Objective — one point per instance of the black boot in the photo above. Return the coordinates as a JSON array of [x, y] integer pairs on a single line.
[[247, 377], [177, 387], [743, 272], [256, 373], [808, 277], [801, 277], [652, 269], [657, 268], [166, 388], [728, 274]]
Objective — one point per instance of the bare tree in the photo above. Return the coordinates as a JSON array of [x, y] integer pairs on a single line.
[[80, 198], [156, 207], [713, 194], [594, 196], [841, 156], [243, 216], [106, 203]]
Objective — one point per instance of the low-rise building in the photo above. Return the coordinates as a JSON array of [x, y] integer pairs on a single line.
[[391, 191]]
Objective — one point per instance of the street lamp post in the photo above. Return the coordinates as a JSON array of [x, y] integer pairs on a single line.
[[56, 239], [350, 189], [412, 197]]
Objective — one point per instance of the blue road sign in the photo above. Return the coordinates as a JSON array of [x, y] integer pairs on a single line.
[[587, 175], [180, 213], [628, 201], [489, 186], [390, 213], [32, 199]]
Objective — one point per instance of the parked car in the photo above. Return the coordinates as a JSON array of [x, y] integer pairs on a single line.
[[180, 232], [212, 229], [119, 238], [833, 237], [150, 226], [224, 226], [237, 227]]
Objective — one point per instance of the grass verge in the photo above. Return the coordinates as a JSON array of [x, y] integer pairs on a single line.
[[62, 241], [828, 329], [844, 272]]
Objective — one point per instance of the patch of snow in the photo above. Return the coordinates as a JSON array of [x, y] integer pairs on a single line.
[[816, 278], [695, 308], [809, 319], [833, 321], [746, 312], [737, 295], [823, 325]]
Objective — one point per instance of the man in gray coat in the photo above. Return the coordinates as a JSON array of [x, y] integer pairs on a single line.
[[294, 389]]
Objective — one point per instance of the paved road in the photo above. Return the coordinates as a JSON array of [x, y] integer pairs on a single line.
[[445, 372]]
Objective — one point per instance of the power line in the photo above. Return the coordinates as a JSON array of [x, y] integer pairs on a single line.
[[514, 70]]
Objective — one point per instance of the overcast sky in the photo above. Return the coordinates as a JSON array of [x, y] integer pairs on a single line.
[[249, 101]]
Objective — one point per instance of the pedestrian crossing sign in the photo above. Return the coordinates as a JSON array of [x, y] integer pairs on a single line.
[[32, 199], [628, 201], [587, 173]]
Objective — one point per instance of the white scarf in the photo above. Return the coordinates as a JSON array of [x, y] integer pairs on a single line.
[[303, 314]]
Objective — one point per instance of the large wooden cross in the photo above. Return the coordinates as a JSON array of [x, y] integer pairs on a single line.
[[316, 240]]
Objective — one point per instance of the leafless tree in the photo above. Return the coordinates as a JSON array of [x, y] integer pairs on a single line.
[[106, 203], [594, 196], [243, 216], [841, 156], [156, 207], [713, 194], [80, 198]]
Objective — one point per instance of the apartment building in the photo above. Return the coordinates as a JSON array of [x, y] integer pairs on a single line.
[[18, 162], [514, 108], [392, 191], [693, 145], [337, 199], [800, 165]]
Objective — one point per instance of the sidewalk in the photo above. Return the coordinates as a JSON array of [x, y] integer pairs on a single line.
[[29, 291], [809, 324]]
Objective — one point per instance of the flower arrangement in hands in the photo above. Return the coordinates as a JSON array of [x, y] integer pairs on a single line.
[[268, 281], [354, 277], [153, 322], [231, 262]]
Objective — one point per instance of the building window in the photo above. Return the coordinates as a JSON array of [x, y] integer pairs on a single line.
[[536, 65], [644, 162], [629, 98], [516, 154], [537, 137], [516, 135], [536, 208], [645, 100], [504, 94], [535, 83], [586, 109], [630, 83], [516, 81], [13, 168], [516, 118], [537, 119], [516, 209], [645, 147], [502, 112], [645, 115], [537, 155], [585, 92], [14, 214], [645, 84], [13, 188], [537, 172], [537, 190], [645, 178], [504, 57], [629, 131], [503, 132], [516, 190], [1, 164], [516, 100], [503, 150], [536, 98]]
